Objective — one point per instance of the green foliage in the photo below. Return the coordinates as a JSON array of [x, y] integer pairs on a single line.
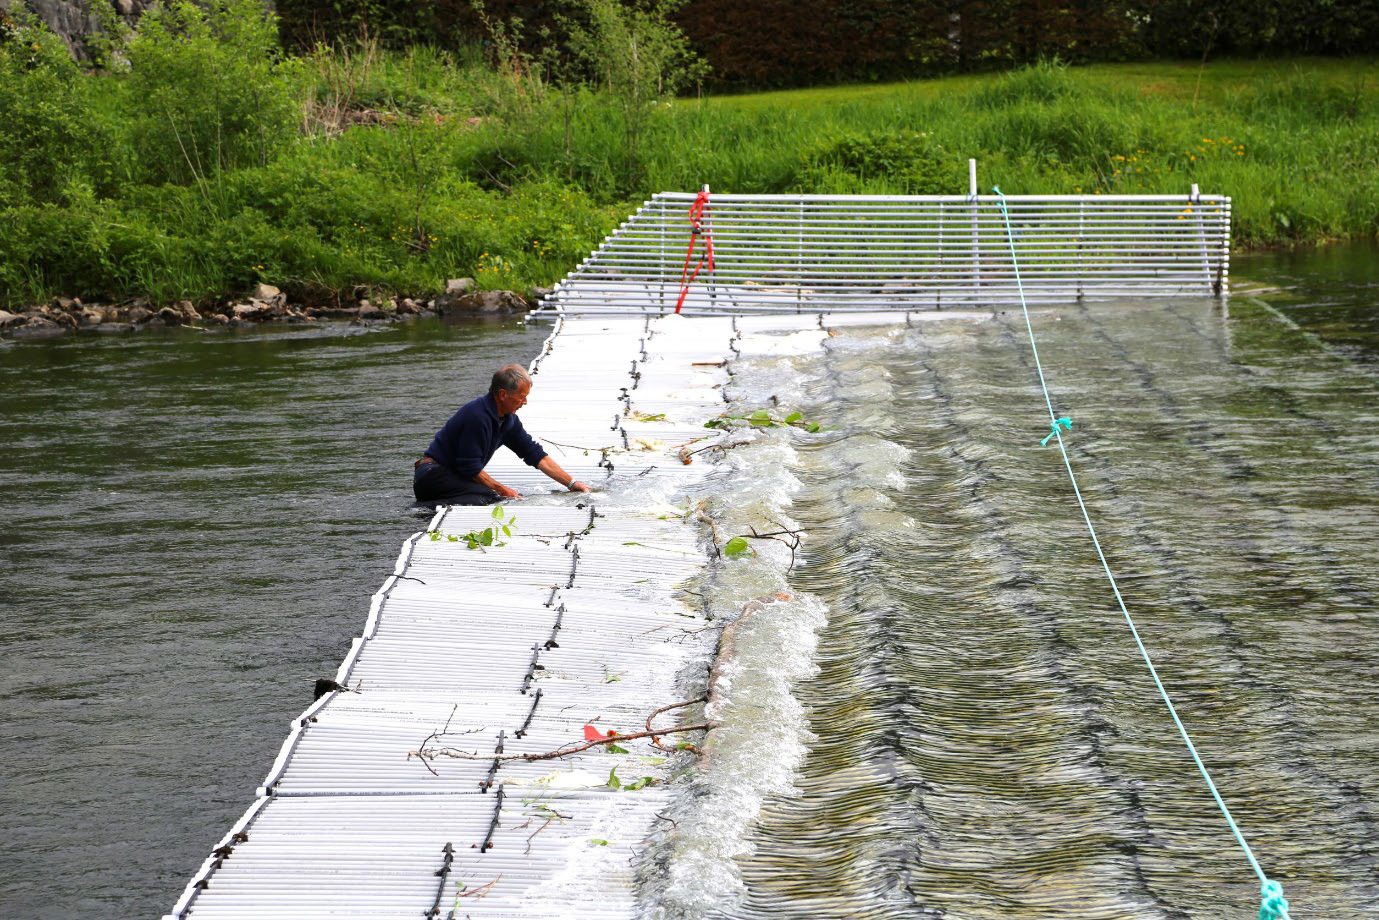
[[399, 170], [899, 161], [207, 90], [54, 145], [616, 783], [494, 536], [1044, 82], [637, 56], [1298, 93], [396, 25], [736, 547], [762, 418]]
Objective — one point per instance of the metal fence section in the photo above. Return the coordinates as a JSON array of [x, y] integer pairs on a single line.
[[831, 253]]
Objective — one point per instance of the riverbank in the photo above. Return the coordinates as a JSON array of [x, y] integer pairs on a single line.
[[264, 305], [398, 171]]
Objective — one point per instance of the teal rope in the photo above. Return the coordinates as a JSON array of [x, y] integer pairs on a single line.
[[1272, 904]]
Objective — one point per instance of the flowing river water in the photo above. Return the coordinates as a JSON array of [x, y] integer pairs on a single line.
[[193, 525]]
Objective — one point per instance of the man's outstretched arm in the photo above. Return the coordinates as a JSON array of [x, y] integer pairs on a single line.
[[553, 470], [503, 491]]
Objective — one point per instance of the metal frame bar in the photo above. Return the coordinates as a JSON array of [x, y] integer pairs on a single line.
[[840, 253]]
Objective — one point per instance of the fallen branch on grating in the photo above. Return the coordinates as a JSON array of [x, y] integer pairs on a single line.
[[427, 753], [684, 746]]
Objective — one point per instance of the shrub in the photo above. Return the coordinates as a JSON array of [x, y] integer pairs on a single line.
[[638, 56], [51, 140], [208, 90]]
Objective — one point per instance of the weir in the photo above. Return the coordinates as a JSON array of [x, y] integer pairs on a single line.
[[395, 794]]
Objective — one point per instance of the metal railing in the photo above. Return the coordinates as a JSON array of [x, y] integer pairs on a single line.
[[839, 253]]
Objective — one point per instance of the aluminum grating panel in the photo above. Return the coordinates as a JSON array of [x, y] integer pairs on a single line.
[[580, 617], [818, 253]]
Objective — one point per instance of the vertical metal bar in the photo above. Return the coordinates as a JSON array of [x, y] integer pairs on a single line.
[[976, 243], [664, 268], [1195, 203], [1223, 270], [1081, 239], [799, 262], [938, 271], [708, 230]]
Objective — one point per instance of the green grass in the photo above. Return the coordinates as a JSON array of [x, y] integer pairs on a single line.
[[405, 170]]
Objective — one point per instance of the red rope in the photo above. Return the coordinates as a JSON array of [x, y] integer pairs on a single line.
[[698, 212]]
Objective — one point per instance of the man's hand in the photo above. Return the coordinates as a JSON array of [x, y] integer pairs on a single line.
[[553, 470], [501, 490]]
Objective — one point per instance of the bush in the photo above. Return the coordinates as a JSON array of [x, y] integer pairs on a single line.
[[208, 90], [52, 142]]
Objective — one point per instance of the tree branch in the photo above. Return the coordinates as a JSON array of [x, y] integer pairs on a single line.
[[432, 753], [655, 741]]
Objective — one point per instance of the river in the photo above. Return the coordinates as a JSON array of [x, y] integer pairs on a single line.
[[193, 524]]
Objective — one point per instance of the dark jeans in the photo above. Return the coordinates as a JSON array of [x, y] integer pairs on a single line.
[[434, 484]]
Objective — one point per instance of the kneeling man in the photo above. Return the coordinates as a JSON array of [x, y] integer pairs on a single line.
[[451, 472]]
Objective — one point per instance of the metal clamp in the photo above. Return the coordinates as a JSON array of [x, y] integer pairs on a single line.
[[535, 700], [493, 825], [574, 565], [532, 668], [493, 767], [443, 873]]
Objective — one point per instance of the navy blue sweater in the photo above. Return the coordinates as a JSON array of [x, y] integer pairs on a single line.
[[472, 436]]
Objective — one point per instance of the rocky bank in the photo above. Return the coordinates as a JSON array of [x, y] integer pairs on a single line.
[[265, 304]]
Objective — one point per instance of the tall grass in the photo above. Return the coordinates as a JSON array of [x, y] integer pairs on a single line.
[[400, 170]]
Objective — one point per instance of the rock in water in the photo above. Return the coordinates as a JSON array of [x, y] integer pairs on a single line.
[[250, 312], [491, 302], [37, 327]]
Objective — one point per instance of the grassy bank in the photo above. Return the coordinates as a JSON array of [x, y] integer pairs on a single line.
[[401, 170]]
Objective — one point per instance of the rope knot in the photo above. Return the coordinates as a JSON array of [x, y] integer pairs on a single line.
[[1067, 424], [1272, 904]]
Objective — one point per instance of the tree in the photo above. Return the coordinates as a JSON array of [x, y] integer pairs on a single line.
[[635, 53]]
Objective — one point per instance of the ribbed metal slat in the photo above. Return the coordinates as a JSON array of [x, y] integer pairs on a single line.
[[347, 824], [817, 253]]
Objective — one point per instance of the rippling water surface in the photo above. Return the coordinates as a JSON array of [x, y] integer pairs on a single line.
[[988, 742], [192, 526]]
